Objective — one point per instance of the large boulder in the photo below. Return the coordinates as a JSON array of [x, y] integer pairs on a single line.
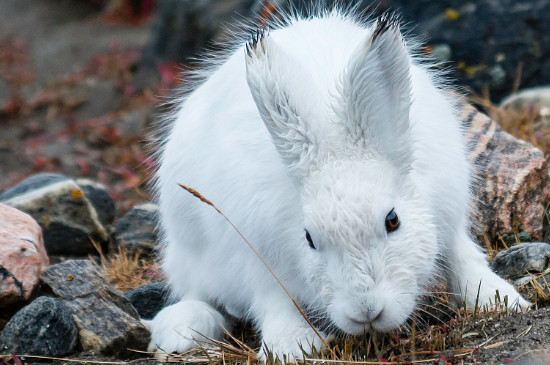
[[511, 189], [106, 320], [22, 255], [72, 213]]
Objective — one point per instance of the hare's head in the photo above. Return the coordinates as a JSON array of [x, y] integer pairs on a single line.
[[369, 244]]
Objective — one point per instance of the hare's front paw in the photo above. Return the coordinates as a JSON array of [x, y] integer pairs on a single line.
[[289, 341], [487, 296], [178, 327]]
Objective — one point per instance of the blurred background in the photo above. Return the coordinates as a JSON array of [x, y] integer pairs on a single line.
[[82, 81]]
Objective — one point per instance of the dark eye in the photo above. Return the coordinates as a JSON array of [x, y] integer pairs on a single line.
[[309, 240], [392, 221]]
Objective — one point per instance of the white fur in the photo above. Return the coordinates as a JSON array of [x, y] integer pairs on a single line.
[[183, 326], [319, 127]]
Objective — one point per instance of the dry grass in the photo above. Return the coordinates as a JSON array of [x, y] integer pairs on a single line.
[[437, 343], [127, 270], [528, 123]]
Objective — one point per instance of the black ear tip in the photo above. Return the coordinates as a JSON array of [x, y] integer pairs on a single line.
[[255, 38], [385, 22]]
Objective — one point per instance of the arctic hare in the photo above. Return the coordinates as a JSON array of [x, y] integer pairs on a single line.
[[337, 154]]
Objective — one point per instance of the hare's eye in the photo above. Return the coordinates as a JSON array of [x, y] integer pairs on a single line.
[[309, 240], [392, 221]]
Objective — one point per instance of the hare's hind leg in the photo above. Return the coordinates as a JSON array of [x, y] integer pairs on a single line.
[[178, 327], [471, 279]]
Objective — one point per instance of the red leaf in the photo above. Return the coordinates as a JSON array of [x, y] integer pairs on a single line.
[[12, 106], [444, 359], [16, 359], [169, 74]]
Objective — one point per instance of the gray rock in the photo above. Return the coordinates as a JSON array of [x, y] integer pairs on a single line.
[[149, 299], [136, 230], [498, 75], [488, 38], [538, 97], [100, 199], [74, 279], [522, 259], [32, 183], [71, 213], [106, 320], [45, 328]]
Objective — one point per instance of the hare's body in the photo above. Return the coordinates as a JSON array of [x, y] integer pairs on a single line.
[[220, 146]]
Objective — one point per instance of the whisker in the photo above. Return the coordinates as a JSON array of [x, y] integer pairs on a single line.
[[431, 315]]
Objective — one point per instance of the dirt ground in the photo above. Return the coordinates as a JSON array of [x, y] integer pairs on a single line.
[[519, 338], [70, 102]]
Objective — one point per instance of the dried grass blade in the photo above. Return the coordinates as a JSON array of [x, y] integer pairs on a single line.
[[61, 359], [496, 344]]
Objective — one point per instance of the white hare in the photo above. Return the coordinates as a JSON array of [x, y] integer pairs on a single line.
[[337, 154]]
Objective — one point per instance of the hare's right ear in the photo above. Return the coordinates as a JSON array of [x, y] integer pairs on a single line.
[[375, 90], [286, 98]]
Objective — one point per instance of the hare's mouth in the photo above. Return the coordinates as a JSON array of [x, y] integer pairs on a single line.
[[359, 327], [352, 326]]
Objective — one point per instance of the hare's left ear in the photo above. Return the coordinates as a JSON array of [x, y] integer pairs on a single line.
[[375, 93], [287, 99]]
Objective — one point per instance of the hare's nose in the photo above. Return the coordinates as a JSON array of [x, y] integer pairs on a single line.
[[371, 312], [378, 315]]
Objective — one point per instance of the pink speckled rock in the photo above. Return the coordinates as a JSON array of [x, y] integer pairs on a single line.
[[512, 190], [22, 255]]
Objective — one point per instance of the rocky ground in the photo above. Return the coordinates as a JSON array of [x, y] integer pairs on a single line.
[[76, 109]]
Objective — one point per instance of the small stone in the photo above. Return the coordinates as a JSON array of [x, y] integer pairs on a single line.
[[137, 229], [441, 52], [22, 255], [538, 97], [522, 259], [511, 188], [71, 215], [106, 320], [44, 328], [498, 75], [522, 281], [149, 299]]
